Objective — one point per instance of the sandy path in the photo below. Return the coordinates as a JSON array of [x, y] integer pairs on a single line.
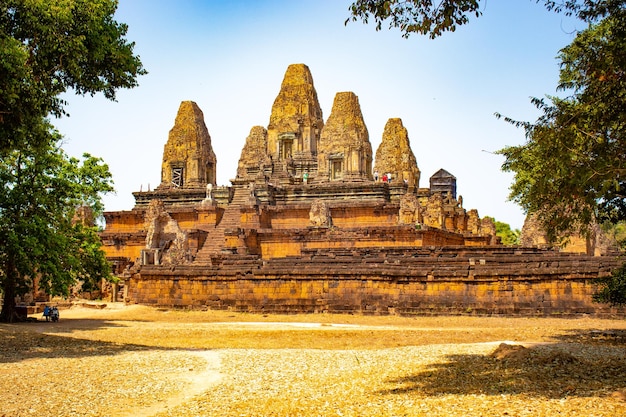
[[198, 383]]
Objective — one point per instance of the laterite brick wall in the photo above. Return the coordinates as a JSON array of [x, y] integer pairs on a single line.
[[552, 284]]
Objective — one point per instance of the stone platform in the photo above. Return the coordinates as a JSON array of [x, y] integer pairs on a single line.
[[404, 281]]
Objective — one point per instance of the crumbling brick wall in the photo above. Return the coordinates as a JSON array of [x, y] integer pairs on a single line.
[[395, 281]]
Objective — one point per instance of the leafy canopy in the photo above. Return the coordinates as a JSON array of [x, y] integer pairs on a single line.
[[507, 235], [612, 289], [40, 235], [571, 171], [422, 17], [433, 18], [572, 168], [50, 46]]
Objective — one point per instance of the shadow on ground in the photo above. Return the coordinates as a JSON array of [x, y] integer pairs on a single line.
[[604, 337], [19, 342], [563, 369]]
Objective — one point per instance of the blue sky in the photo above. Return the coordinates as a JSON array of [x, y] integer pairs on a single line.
[[230, 58]]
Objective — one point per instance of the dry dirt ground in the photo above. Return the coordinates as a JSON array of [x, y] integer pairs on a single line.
[[136, 361]]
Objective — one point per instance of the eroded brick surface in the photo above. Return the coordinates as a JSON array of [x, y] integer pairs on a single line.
[[309, 224]]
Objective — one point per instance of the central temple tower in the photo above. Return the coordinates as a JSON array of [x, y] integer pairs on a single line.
[[296, 122]]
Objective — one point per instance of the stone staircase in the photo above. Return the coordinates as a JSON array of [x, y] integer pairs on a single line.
[[215, 243]]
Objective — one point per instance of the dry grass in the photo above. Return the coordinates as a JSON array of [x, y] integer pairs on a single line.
[[138, 361]]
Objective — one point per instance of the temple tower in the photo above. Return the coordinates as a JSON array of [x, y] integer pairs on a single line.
[[345, 152], [394, 155], [254, 161], [296, 121], [188, 157]]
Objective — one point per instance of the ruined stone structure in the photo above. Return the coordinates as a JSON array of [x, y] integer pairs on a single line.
[[296, 123], [345, 153], [309, 225], [188, 158], [394, 155], [417, 281], [595, 243]]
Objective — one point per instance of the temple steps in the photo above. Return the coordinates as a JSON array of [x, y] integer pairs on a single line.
[[215, 242]]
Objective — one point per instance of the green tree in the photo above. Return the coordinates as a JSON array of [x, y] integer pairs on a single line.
[[48, 47], [612, 289], [616, 232], [418, 16], [572, 168], [39, 236], [571, 171], [507, 235], [433, 18]]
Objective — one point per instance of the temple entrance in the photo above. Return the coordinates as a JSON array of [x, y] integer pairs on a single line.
[[286, 149], [210, 173], [336, 171], [285, 145]]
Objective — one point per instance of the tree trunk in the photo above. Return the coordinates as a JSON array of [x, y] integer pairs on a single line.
[[8, 303]]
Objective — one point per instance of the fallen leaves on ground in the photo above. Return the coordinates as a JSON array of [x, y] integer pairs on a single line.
[[114, 363]]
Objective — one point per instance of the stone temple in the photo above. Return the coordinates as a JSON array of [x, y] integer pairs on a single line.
[[314, 221]]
